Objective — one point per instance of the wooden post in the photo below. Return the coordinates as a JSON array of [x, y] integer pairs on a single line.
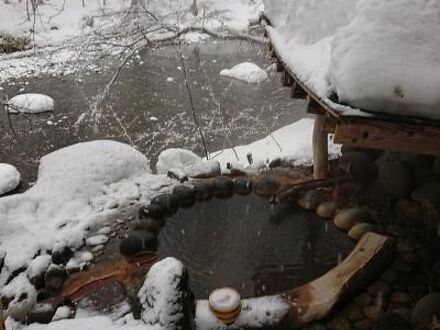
[[320, 148]]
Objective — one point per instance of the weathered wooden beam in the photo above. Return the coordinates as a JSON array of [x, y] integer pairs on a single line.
[[320, 148], [297, 92], [315, 300], [386, 135], [314, 107]]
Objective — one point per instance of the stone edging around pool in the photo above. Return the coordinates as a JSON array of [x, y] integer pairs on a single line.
[[296, 307]]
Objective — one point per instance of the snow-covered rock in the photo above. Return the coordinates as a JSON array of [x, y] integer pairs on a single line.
[[9, 178], [387, 59], [176, 158], [206, 169], [165, 296], [79, 187], [21, 295], [246, 71], [30, 103]]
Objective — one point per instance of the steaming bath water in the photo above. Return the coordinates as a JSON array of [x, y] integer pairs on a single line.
[[246, 243]]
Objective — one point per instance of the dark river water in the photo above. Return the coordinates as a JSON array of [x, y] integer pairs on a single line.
[[147, 109]]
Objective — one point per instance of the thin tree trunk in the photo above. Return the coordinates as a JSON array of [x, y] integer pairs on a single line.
[[28, 14]]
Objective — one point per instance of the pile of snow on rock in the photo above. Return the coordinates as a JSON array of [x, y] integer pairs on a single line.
[[9, 178], [30, 103], [248, 72]]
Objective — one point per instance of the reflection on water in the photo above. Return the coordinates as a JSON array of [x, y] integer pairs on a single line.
[[149, 110], [251, 245]]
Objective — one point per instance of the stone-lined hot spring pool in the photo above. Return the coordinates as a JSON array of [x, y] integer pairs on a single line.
[[249, 244]]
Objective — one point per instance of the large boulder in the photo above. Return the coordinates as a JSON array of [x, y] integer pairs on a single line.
[[395, 177], [426, 310], [167, 303]]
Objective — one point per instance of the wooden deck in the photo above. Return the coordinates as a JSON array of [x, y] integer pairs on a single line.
[[358, 128]]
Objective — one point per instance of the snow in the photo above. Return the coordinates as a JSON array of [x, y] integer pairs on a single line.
[[64, 29], [79, 188], [30, 103], [378, 56], [21, 296], [224, 300], [158, 294], [57, 21], [387, 59], [292, 142], [9, 178], [176, 158], [207, 168], [38, 265], [246, 71], [84, 323], [96, 240], [255, 313], [302, 33]]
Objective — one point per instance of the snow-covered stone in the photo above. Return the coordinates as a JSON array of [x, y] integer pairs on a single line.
[[9, 178], [176, 158], [30, 103], [21, 295], [206, 169], [79, 187], [62, 312], [38, 266], [165, 296], [246, 71], [387, 60], [96, 240]]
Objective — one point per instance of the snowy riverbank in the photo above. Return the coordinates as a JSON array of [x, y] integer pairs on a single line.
[[68, 36]]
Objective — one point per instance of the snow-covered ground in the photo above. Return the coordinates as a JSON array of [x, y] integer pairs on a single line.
[[376, 55], [65, 31], [84, 187], [291, 143], [79, 189]]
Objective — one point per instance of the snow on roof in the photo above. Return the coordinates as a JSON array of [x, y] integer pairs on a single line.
[[375, 55]]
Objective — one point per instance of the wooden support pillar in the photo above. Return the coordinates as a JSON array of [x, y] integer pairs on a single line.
[[320, 148]]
